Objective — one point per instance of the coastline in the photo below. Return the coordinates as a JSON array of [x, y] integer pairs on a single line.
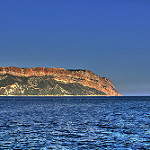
[[55, 95]]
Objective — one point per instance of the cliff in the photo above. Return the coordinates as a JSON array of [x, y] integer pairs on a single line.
[[54, 81]]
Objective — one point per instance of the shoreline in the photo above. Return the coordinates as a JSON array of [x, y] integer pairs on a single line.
[[55, 95]]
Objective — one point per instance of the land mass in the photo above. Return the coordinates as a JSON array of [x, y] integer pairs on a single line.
[[53, 81]]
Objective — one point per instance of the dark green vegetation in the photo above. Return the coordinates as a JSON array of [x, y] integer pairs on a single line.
[[76, 70], [44, 85]]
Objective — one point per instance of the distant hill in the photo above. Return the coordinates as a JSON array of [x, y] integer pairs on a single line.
[[53, 81]]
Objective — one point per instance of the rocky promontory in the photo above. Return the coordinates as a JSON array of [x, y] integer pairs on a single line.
[[53, 81]]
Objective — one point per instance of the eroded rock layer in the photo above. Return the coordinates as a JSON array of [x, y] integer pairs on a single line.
[[84, 78]]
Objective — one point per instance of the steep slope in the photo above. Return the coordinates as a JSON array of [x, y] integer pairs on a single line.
[[53, 81]]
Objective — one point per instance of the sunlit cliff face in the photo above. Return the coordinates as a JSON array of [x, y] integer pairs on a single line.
[[84, 77]]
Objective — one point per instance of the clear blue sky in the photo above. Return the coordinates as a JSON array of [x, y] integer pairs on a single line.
[[110, 38]]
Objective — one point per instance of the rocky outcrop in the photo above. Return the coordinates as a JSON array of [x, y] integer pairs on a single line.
[[83, 77]]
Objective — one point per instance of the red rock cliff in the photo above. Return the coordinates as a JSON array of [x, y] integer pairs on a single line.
[[84, 77]]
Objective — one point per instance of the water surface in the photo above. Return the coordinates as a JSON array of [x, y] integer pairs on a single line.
[[75, 123]]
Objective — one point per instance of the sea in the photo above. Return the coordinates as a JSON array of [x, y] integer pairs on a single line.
[[75, 123]]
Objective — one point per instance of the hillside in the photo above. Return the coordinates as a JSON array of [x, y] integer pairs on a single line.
[[53, 81]]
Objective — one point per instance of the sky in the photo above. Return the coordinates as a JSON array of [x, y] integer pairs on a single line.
[[110, 38]]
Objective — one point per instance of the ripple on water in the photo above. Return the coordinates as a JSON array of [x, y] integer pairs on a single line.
[[98, 123]]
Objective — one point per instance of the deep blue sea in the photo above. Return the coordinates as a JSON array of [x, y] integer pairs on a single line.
[[76, 123]]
